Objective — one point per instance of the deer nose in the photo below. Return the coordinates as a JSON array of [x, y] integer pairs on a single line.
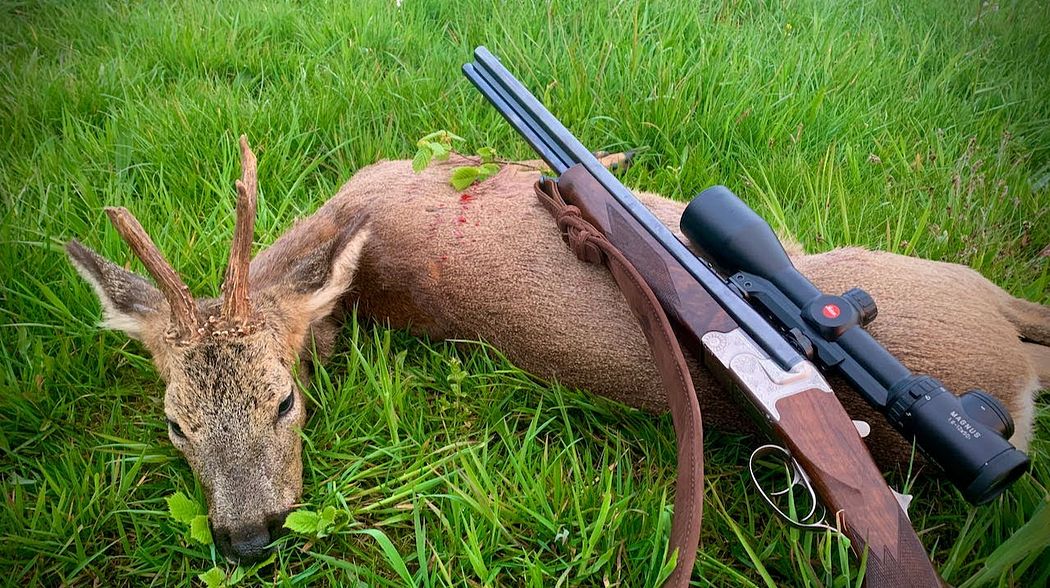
[[246, 544], [250, 543]]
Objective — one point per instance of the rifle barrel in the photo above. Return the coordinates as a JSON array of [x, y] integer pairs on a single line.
[[561, 150], [520, 120]]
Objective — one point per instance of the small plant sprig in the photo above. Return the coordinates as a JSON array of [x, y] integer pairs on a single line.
[[314, 524], [456, 376], [437, 146], [185, 510], [189, 512], [216, 577]]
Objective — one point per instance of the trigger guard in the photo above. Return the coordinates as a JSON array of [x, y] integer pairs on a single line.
[[799, 477], [785, 455]]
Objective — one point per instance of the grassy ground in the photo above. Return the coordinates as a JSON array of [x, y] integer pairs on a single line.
[[920, 127]]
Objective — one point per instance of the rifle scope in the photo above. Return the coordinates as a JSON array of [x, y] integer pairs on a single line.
[[966, 435]]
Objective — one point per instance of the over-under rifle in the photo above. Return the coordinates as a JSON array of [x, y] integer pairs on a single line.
[[759, 330]]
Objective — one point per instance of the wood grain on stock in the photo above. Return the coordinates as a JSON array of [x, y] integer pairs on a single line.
[[825, 443], [816, 429], [675, 288]]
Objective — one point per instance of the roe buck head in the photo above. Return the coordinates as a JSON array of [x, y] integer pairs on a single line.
[[232, 401]]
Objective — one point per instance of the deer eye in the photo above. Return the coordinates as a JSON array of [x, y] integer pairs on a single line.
[[176, 429], [286, 404]]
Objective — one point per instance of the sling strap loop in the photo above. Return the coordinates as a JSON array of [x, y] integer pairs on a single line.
[[591, 246]]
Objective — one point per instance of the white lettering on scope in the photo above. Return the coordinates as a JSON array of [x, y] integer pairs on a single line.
[[962, 425]]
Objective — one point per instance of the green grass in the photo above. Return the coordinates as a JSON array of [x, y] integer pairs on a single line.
[[919, 127]]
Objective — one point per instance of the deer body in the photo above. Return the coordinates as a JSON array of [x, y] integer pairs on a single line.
[[489, 263]]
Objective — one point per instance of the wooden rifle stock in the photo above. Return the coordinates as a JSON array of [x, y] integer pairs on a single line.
[[797, 406]]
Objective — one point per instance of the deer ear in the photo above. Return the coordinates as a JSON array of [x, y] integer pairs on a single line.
[[310, 268], [341, 260], [129, 302]]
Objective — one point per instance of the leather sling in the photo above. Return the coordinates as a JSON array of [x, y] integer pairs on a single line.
[[591, 246]]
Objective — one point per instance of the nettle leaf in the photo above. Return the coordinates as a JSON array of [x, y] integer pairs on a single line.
[[303, 521], [213, 578], [487, 170], [199, 530], [487, 154], [422, 159], [464, 176], [182, 508], [326, 520]]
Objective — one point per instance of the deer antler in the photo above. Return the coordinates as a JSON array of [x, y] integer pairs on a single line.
[[184, 316], [236, 307]]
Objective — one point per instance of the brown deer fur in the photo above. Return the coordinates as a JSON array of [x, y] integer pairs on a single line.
[[489, 263]]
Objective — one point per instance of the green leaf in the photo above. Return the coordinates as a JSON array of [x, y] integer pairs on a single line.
[[1025, 542], [667, 569], [182, 508], [422, 159], [438, 135], [303, 521], [487, 170], [199, 530], [440, 151], [326, 520], [237, 575], [213, 578], [442, 136], [464, 176], [487, 154]]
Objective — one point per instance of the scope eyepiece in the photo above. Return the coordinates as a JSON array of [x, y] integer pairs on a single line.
[[966, 435]]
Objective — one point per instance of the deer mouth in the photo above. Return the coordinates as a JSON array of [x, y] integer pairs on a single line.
[[252, 543]]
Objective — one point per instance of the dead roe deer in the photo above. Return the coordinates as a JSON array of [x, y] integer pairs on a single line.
[[486, 264]]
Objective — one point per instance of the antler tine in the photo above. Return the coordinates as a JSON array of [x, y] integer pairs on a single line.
[[184, 317], [236, 307]]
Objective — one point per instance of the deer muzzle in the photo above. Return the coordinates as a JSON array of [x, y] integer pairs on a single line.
[[249, 542]]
